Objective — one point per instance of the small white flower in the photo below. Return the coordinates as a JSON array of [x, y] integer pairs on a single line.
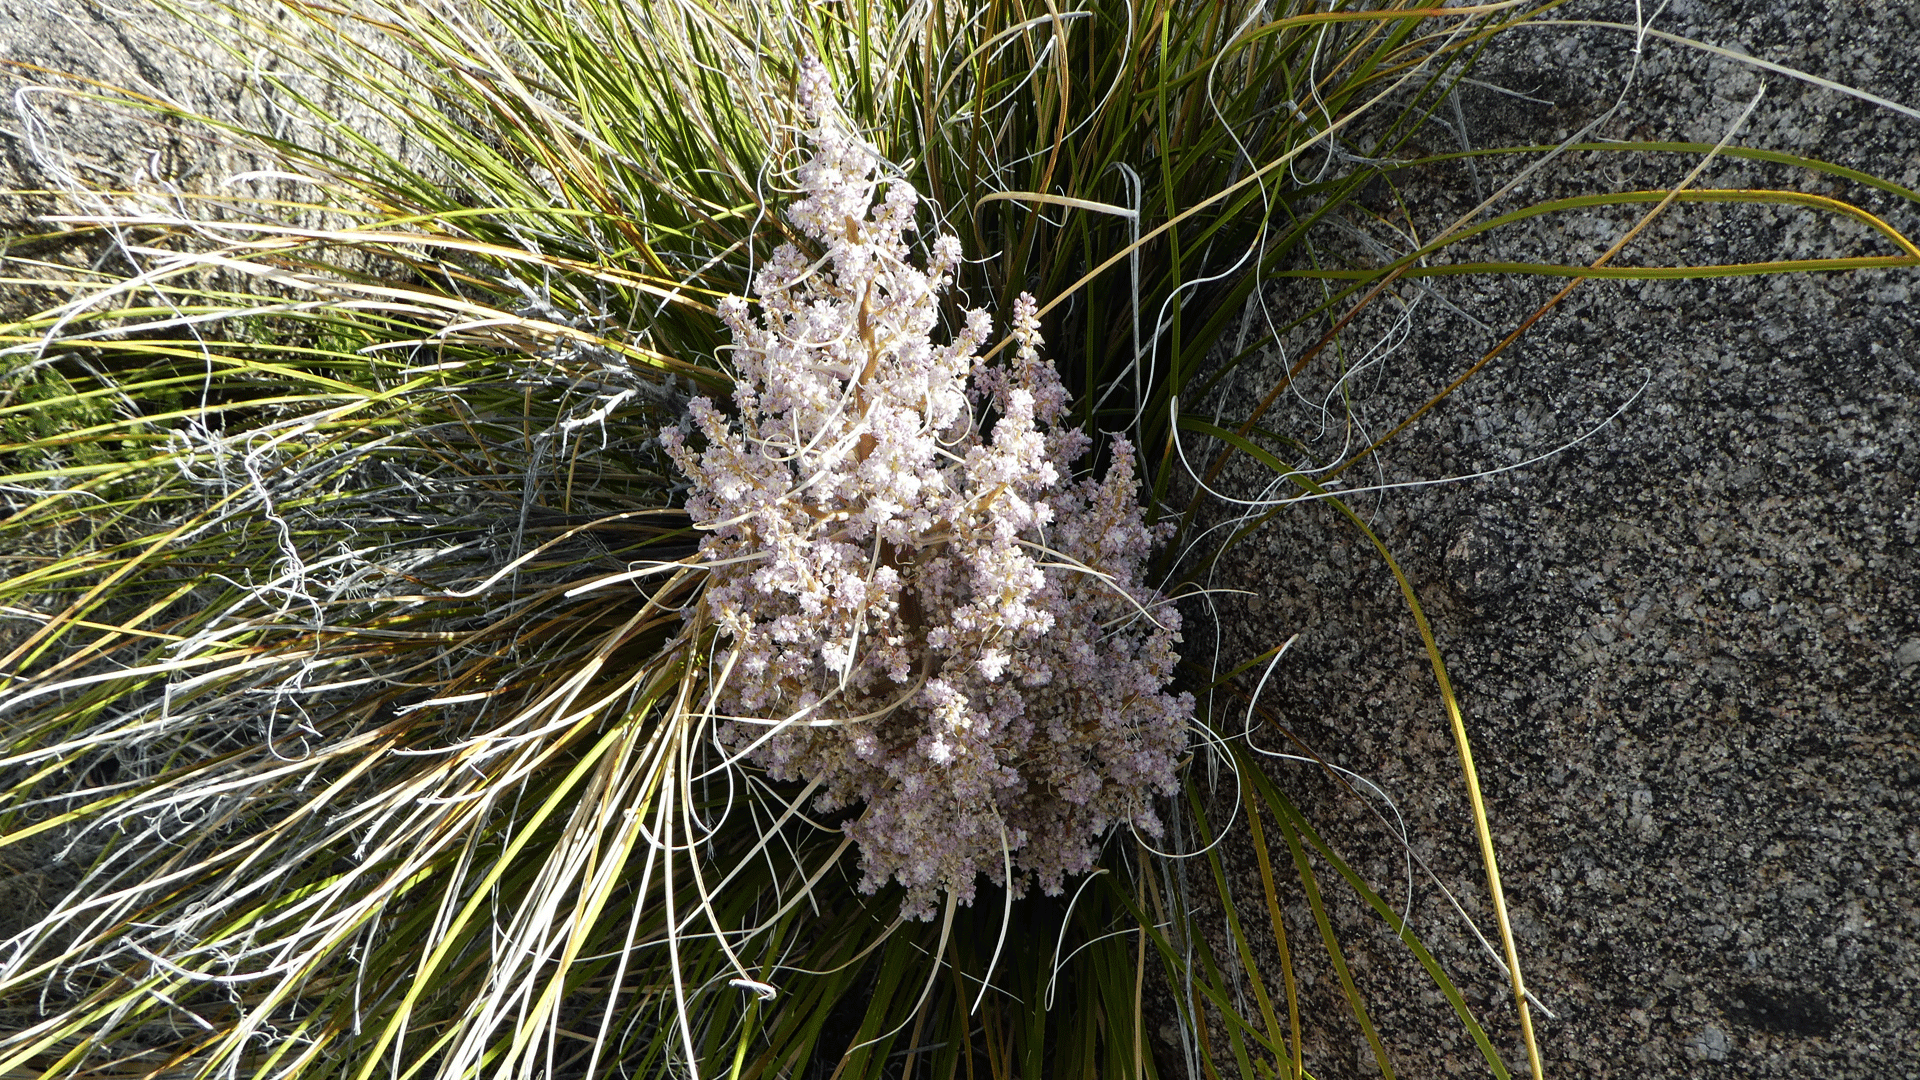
[[873, 557]]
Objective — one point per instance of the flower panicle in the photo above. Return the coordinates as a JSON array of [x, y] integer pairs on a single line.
[[958, 620]]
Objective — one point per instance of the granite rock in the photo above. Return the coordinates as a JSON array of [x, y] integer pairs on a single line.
[[1686, 643]]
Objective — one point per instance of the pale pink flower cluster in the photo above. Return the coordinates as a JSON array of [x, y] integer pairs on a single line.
[[934, 620]]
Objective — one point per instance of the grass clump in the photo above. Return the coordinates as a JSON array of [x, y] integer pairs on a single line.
[[384, 678]]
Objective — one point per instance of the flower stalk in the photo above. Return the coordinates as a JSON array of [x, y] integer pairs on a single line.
[[918, 605]]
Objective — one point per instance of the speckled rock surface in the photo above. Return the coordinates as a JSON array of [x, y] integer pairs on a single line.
[[1689, 646]]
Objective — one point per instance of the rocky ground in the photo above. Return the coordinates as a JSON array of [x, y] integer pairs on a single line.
[[1687, 646]]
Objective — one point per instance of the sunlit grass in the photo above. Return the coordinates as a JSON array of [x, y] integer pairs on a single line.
[[344, 660]]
